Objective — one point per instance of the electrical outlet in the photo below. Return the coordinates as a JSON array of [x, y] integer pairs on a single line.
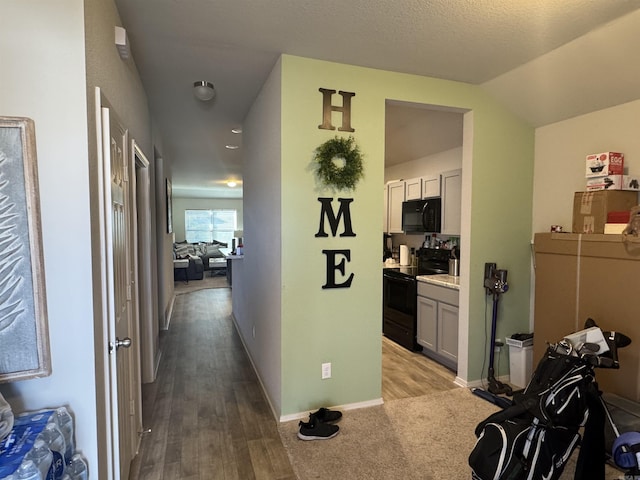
[[326, 370]]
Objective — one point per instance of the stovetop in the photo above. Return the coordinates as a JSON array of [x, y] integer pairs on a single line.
[[402, 271], [431, 261]]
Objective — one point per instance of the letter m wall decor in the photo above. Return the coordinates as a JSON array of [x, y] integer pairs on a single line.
[[24, 334]]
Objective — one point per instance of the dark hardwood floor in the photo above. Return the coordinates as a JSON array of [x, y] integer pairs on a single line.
[[208, 416]]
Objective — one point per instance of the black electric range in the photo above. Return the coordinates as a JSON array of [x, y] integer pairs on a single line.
[[399, 319]]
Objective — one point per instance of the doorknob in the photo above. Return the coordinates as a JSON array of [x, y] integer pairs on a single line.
[[125, 342]]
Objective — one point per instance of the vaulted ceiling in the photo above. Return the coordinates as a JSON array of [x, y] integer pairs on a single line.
[[547, 60]]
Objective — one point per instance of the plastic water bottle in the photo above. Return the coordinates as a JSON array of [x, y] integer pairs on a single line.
[[6, 418], [41, 457], [28, 471], [65, 422], [77, 468], [55, 441]]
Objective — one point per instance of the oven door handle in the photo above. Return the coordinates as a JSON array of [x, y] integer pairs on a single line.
[[398, 279]]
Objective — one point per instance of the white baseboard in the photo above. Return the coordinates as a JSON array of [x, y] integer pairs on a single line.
[[253, 365], [349, 406], [167, 321], [157, 365]]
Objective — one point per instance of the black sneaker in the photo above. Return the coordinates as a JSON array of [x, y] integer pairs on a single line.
[[316, 430], [326, 416]]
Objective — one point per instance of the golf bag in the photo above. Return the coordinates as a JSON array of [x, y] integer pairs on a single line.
[[534, 437]]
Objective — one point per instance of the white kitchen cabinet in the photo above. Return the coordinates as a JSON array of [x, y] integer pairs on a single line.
[[431, 186], [395, 197], [448, 332], [413, 189], [427, 331], [451, 202], [437, 329]]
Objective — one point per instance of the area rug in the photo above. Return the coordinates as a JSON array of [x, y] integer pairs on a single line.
[[217, 281], [427, 437]]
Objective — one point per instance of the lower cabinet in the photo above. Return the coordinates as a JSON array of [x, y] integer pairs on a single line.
[[437, 331]]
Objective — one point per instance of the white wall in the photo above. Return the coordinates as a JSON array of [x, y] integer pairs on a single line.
[[43, 77], [263, 256], [429, 165], [560, 152]]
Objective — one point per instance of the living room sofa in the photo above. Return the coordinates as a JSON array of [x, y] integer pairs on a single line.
[[198, 255], [194, 271]]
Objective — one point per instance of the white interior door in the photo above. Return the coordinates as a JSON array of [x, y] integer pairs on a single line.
[[123, 385]]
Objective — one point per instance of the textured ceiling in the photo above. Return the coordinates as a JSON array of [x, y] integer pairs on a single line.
[[235, 43]]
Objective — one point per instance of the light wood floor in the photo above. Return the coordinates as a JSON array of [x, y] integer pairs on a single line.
[[206, 410]]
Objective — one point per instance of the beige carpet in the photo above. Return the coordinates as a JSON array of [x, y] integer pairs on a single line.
[[217, 281], [427, 437]]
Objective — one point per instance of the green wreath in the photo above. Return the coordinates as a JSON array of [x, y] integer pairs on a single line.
[[330, 172]]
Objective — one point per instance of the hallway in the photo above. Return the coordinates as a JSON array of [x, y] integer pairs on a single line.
[[207, 414]]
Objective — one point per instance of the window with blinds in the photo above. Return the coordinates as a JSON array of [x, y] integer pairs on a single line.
[[210, 225]]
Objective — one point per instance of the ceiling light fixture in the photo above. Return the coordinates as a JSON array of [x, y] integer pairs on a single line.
[[232, 147], [231, 184], [204, 90], [236, 130]]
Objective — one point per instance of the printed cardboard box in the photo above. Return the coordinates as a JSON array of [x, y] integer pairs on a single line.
[[606, 163], [590, 208], [614, 182]]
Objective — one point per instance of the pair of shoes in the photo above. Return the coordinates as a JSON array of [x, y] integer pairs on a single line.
[[326, 416], [316, 430]]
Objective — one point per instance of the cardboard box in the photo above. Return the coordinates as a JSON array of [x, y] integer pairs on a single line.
[[614, 182], [590, 209], [614, 228], [606, 163]]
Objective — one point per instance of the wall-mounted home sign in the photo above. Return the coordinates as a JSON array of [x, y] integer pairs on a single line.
[[24, 334], [328, 107], [338, 164], [336, 258]]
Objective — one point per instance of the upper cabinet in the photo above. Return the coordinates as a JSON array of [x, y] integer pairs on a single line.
[[422, 187], [395, 197], [447, 185], [413, 189], [430, 186], [451, 201]]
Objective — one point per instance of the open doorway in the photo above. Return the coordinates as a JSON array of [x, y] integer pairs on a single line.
[[421, 142]]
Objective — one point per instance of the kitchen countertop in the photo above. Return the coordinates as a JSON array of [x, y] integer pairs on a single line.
[[442, 280]]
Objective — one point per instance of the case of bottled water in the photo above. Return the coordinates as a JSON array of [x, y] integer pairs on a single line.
[[41, 446]]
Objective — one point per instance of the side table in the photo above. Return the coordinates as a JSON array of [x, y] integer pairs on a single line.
[[218, 265]]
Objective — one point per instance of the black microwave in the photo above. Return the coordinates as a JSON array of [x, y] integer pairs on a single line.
[[421, 216]]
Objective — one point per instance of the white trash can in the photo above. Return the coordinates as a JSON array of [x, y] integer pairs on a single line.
[[520, 361]]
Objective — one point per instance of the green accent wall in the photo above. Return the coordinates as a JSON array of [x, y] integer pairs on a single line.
[[343, 326]]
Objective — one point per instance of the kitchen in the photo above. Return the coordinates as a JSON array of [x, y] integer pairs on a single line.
[[422, 192]]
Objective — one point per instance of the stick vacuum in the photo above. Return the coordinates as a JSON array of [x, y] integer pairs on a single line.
[[495, 282]]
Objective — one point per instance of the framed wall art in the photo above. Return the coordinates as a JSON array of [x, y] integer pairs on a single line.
[[24, 331]]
